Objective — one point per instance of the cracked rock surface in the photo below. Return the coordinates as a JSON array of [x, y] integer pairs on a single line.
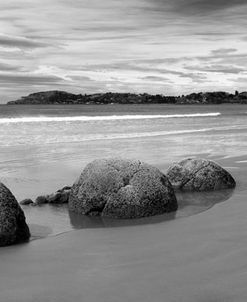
[[194, 174], [13, 227], [122, 189]]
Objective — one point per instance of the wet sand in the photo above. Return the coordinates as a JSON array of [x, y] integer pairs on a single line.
[[200, 257]]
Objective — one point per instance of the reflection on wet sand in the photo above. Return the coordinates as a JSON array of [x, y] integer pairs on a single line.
[[188, 204], [83, 222], [191, 203]]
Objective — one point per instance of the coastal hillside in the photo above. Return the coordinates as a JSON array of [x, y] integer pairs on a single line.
[[63, 97]]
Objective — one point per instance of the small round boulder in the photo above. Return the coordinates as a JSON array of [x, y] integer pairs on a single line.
[[40, 200], [26, 202], [194, 174], [13, 227], [121, 188]]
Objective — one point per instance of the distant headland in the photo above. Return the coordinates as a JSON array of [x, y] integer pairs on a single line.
[[56, 97]]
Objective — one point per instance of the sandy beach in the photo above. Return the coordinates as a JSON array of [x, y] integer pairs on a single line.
[[198, 257], [195, 254]]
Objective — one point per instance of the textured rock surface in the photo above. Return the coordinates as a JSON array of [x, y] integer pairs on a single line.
[[13, 227], [194, 174], [26, 201], [122, 189], [41, 200], [59, 197]]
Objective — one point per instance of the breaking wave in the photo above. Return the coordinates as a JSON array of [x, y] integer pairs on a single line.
[[41, 140], [146, 134], [44, 119]]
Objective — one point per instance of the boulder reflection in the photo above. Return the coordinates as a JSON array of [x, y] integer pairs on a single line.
[[82, 221], [188, 204], [191, 203]]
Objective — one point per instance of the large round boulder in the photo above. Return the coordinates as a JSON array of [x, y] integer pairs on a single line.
[[122, 189], [13, 227], [194, 174]]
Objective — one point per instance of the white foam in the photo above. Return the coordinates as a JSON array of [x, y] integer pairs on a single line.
[[40, 119], [241, 161], [50, 139], [151, 134]]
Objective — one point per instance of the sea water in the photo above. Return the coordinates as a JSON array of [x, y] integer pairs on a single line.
[[44, 148]]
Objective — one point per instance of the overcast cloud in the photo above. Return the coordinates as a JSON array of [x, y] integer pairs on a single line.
[[157, 46]]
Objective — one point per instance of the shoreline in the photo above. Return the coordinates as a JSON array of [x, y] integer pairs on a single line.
[[190, 204], [59, 220], [129, 104], [124, 104]]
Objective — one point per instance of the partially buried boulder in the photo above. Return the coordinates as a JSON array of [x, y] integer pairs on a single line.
[[59, 197], [13, 227], [194, 174], [26, 202], [122, 189], [40, 200]]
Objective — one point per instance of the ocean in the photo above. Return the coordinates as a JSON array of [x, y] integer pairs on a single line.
[[44, 148], [196, 254]]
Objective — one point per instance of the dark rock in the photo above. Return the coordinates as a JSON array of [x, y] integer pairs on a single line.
[[122, 189], [26, 201], [41, 200], [13, 227], [64, 198], [54, 197], [199, 175], [59, 197], [66, 188]]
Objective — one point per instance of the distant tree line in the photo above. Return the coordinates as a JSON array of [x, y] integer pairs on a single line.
[[62, 97]]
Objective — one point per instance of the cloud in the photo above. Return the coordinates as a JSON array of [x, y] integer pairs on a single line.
[[223, 51], [203, 7], [8, 67], [242, 80], [28, 79], [131, 45], [19, 42], [225, 69], [155, 79]]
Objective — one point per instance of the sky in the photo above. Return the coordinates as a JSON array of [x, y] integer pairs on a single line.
[[169, 47]]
